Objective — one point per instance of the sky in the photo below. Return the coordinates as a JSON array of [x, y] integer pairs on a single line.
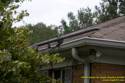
[[52, 11]]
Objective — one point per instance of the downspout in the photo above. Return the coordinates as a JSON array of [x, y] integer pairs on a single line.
[[86, 65], [76, 56], [86, 62], [93, 55]]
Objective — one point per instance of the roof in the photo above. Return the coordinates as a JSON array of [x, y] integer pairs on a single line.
[[113, 30]]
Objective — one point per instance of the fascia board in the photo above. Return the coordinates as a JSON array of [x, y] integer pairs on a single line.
[[94, 41]]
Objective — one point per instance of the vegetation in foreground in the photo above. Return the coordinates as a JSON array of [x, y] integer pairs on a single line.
[[19, 63]]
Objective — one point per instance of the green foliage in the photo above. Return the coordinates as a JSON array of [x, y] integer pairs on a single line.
[[73, 22], [122, 7], [66, 28], [41, 32], [54, 58], [19, 63], [83, 19], [109, 9]]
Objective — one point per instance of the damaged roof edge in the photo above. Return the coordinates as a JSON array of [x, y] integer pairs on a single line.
[[66, 36], [97, 27], [91, 41], [94, 41]]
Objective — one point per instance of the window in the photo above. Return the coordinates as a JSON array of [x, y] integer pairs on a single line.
[[63, 75]]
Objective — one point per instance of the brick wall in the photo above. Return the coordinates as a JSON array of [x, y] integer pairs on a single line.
[[77, 73], [98, 69]]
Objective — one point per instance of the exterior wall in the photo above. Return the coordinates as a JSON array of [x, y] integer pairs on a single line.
[[77, 73], [73, 74], [99, 69]]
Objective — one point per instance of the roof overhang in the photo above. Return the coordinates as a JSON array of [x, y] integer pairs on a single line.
[[94, 41], [89, 41]]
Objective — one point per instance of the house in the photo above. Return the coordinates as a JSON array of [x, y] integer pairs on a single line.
[[93, 55]]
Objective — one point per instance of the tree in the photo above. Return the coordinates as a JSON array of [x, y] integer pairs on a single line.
[[122, 7], [73, 22], [109, 9], [83, 19], [66, 28], [72, 25], [41, 32], [19, 63]]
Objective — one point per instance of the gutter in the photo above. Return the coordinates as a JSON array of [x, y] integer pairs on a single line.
[[94, 41], [66, 36], [90, 41]]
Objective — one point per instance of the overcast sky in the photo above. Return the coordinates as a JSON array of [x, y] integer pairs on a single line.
[[52, 11]]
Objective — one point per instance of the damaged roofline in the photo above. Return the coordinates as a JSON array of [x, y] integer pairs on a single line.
[[91, 41], [66, 36], [94, 41]]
